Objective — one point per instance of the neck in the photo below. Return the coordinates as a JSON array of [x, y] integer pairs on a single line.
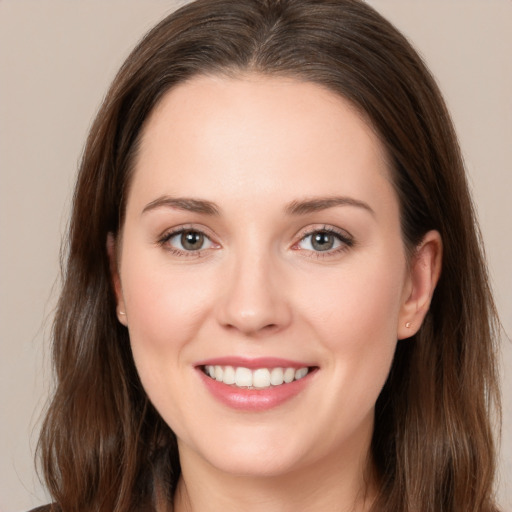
[[344, 484]]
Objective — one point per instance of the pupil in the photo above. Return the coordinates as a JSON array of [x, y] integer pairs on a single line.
[[192, 240], [322, 241]]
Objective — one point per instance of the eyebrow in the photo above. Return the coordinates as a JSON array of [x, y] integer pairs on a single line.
[[183, 203], [323, 203], [295, 208]]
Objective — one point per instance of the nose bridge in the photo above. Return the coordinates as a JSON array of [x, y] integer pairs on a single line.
[[253, 298]]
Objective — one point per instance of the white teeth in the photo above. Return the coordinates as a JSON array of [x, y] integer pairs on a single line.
[[300, 373], [258, 379], [229, 375], [276, 376], [289, 375], [261, 378], [243, 377]]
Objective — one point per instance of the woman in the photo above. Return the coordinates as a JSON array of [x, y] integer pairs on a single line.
[[275, 294]]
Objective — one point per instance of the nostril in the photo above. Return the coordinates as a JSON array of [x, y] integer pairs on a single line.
[[249, 330]]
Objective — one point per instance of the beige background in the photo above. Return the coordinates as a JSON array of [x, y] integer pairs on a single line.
[[56, 60]]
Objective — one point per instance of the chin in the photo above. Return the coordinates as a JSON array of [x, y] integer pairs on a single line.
[[264, 466], [256, 456]]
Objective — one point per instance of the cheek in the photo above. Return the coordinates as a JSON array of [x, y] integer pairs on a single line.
[[363, 304], [165, 312], [165, 309], [357, 322]]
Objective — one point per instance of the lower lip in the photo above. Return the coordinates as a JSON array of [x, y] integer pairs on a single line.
[[254, 399]]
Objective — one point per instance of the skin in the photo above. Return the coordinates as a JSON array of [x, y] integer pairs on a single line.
[[253, 146]]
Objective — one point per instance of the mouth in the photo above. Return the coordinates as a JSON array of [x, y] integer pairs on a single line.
[[257, 378], [255, 384]]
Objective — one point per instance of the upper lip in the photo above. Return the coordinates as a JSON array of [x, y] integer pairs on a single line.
[[253, 363]]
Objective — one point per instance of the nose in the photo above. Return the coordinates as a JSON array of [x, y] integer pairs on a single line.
[[254, 299]]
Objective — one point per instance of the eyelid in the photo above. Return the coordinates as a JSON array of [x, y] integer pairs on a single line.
[[168, 234], [346, 239]]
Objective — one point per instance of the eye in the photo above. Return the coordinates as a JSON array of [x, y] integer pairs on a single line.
[[325, 240], [187, 240]]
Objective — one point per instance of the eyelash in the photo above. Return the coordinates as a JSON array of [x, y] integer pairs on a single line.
[[343, 237], [164, 239]]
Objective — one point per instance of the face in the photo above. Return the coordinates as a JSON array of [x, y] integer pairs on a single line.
[[262, 273]]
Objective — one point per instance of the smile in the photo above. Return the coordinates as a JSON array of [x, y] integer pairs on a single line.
[[256, 384], [259, 378]]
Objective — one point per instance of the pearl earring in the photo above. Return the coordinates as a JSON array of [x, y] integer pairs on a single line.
[[408, 324]]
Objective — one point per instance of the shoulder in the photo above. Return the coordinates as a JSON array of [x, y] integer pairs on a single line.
[[44, 508]]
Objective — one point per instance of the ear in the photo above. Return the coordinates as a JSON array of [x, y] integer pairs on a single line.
[[116, 281], [423, 275]]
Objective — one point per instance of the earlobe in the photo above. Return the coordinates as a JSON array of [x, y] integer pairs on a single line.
[[116, 281], [423, 275]]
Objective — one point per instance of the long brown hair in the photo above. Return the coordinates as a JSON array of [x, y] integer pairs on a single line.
[[103, 446]]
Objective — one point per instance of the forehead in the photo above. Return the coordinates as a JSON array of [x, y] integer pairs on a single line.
[[256, 132]]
